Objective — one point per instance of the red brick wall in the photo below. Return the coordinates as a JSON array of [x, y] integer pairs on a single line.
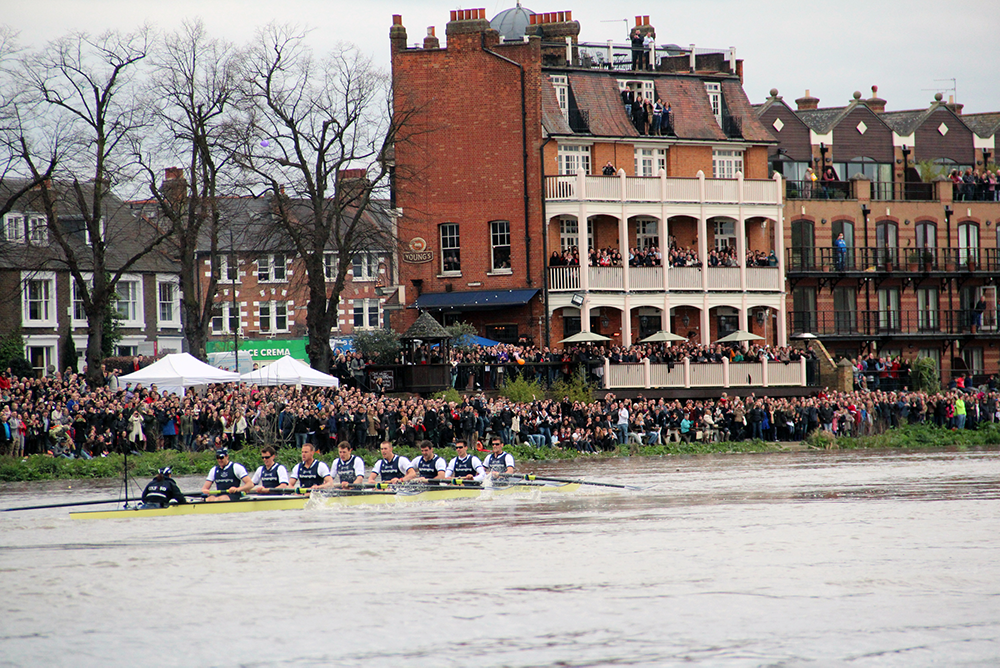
[[685, 161], [466, 164]]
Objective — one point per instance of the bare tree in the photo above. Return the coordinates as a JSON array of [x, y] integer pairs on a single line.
[[13, 101], [308, 123], [194, 79], [85, 88]]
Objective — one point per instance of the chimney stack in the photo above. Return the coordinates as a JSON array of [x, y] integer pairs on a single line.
[[397, 34], [807, 102], [431, 41], [875, 103]]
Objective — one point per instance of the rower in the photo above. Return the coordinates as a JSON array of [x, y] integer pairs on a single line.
[[498, 462], [229, 477], [428, 466], [392, 467], [464, 465], [161, 490], [271, 475], [348, 468], [311, 473]]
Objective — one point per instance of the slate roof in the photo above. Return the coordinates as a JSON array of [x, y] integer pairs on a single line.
[[125, 234], [821, 121], [598, 93], [740, 107], [553, 120], [984, 125], [692, 112], [426, 328], [905, 122]]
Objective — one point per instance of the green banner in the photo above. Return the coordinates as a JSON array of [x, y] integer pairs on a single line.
[[266, 350]]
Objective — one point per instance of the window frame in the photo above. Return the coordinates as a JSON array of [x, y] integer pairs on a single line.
[[174, 304], [726, 161], [277, 311], [500, 230], [369, 263], [268, 269], [137, 319], [50, 300], [226, 318], [75, 321], [15, 222], [364, 309], [642, 233], [572, 158], [448, 251]]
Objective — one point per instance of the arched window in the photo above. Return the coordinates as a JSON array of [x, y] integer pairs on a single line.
[[887, 242], [803, 244], [926, 241], [846, 228], [968, 244]]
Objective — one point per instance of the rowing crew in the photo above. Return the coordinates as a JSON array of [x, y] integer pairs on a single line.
[[232, 479]]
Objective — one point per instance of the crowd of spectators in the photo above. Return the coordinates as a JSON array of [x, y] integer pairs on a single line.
[[978, 185], [61, 416]]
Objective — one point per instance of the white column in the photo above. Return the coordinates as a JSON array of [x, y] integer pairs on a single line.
[[706, 330], [782, 327], [623, 245], [702, 232], [646, 376], [725, 372], [581, 244], [665, 313], [627, 321], [744, 318], [779, 233], [585, 314], [687, 372], [763, 372]]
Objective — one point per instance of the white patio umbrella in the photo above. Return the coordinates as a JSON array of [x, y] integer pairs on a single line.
[[663, 336], [585, 337], [740, 335]]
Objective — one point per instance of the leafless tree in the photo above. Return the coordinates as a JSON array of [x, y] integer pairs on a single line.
[[85, 89], [307, 124], [193, 84]]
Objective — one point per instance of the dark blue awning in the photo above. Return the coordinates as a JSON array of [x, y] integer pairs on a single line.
[[478, 300]]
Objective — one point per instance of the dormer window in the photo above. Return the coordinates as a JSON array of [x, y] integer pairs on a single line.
[[714, 91], [561, 84]]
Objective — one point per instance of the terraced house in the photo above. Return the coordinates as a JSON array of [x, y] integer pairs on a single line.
[[565, 186], [917, 272]]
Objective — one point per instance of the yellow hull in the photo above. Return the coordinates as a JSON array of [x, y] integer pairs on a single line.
[[333, 497]]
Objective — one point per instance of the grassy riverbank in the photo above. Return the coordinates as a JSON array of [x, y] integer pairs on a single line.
[[39, 467]]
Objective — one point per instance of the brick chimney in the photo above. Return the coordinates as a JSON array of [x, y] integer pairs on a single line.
[[807, 102], [875, 103], [469, 29], [397, 34], [351, 183], [431, 41], [954, 106], [174, 184], [554, 28]]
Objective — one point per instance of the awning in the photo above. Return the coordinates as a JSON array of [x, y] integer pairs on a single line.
[[478, 300]]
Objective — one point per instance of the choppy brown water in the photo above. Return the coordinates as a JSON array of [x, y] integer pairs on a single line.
[[860, 559]]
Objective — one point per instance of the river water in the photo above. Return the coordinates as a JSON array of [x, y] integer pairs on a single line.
[[799, 559]]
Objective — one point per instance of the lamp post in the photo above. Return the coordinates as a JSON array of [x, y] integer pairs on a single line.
[[233, 268]]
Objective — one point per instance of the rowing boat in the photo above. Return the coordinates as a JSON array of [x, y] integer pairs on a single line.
[[327, 497]]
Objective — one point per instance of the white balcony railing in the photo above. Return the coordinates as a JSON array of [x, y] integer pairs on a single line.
[[563, 279], [661, 189], [646, 375]]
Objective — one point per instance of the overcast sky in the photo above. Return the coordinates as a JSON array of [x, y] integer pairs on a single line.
[[909, 48]]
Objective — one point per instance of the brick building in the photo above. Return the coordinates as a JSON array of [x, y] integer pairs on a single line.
[[516, 131], [920, 252], [261, 291], [35, 280]]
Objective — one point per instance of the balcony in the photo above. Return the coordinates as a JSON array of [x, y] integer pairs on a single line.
[[584, 188], [816, 260], [929, 324], [567, 279], [848, 190], [646, 375]]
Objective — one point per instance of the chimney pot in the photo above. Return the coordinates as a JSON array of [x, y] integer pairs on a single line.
[[397, 19]]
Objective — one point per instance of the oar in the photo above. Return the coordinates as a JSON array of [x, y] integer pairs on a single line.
[[578, 482], [65, 505]]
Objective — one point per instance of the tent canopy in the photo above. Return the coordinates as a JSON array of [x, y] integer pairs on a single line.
[[289, 371], [663, 336], [585, 337], [179, 370], [740, 335]]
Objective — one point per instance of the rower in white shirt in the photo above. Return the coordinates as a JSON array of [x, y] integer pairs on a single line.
[[392, 467], [464, 465]]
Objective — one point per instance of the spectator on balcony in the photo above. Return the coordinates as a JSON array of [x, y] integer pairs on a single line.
[[640, 114], [609, 169], [840, 252], [628, 99], [977, 314], [809, 183], [636, 38], [772, 259], [968, 185], [647, 50], [829, 181], [654, 128]]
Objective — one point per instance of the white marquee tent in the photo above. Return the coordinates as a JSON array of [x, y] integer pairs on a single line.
[[177, 371], [289, 371]]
